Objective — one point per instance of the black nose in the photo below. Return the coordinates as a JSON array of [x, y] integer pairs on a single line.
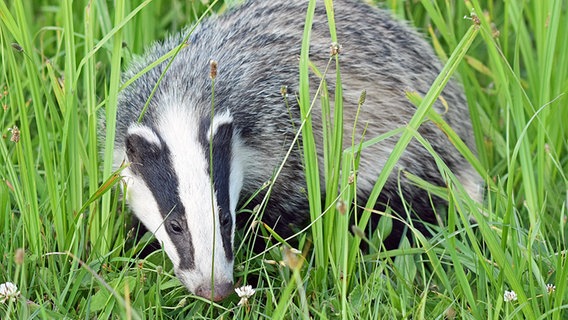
[[222, 290]]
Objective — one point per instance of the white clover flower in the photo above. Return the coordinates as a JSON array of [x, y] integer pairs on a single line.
[[550, 288], [8, 292], [510, 296], [244, 292]]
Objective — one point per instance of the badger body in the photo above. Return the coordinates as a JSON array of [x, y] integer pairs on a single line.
[[189, 203]]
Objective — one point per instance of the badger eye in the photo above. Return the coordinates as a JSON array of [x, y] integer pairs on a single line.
[[225, 220], [175, 227]]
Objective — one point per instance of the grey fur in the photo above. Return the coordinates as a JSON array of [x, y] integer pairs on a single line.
[[257, 47]]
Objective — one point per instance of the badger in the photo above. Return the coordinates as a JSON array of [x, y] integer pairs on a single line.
[[200, 150]]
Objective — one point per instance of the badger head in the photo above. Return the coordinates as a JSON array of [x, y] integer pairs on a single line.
[[183, 184]]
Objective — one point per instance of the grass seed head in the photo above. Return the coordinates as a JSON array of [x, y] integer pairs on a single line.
[[15, 134], [335, 48], [19, 256], [17, 47], [213, 69]]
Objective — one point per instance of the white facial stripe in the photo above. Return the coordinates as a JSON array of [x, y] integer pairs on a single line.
[[179, 131]]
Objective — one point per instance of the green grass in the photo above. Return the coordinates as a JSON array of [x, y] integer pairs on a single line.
[[60, 66]]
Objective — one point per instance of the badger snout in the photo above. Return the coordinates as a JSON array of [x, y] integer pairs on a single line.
[[221, 290], [200, 284]]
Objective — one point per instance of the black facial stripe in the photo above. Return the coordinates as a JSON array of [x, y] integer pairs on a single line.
[[183, 242], [204, 134], [222, 154], [153, 164]]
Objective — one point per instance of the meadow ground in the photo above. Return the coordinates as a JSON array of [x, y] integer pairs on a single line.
[[65, 241]]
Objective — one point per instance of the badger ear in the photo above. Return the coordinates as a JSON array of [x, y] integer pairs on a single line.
[[220, 129], [221, 122], [142, 144]]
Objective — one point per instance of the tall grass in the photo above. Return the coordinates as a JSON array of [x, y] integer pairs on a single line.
[[60, 70]]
